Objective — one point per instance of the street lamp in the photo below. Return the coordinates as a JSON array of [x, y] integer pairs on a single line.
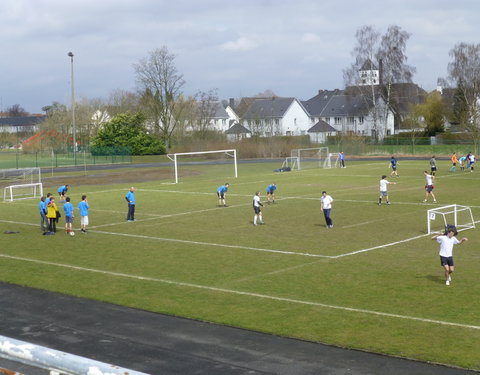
[[73, 113]]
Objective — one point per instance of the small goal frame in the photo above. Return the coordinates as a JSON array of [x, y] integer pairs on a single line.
[[291, 162], [328, 160], [36, 188], [232, 153], [321, 152], [449, 210]]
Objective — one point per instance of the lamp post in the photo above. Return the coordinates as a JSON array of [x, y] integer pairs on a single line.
[[73, 113]]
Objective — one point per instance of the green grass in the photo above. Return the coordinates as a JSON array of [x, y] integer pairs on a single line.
[[187, 257]]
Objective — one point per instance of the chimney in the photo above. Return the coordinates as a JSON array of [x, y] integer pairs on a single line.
[[231, 102]]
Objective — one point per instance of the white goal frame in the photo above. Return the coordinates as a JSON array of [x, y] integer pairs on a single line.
[[321, 152], [232, 153], [449, 210], [328, 160], [37, 191], [291, 162]]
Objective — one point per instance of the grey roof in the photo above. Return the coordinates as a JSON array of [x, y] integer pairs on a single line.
[[346, 105], [21, 120], [315, 105], [321, 127], [237, 129], [368, 65], [268, 108], [220, 111]]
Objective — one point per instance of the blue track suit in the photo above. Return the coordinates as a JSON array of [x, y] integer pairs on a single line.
[[130, 197]]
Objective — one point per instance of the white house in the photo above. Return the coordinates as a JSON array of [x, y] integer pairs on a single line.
[[276, 116]]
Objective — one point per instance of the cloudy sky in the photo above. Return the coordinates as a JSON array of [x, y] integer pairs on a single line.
[[239, 47]]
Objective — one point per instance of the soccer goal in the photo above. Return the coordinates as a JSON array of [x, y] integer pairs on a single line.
[[194, 161], [332, 160], [290, 162], [21, 183], [439, 218], [310, 157]]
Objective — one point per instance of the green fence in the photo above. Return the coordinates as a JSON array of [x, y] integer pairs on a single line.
[[19, 159]]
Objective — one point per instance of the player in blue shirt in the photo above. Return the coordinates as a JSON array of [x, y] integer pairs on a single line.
[[221, 193], [68, 208], [271, 192], [83, 208], [42, 206], [393, 165], [62, 190], [130, 197], [342, 160]]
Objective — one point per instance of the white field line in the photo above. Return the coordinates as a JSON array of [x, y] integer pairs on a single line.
[[248, 294]]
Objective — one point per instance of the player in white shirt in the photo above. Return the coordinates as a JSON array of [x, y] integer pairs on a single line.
[[256, 207], [446, 241], [429, 186], [326, 205], [384, 189]]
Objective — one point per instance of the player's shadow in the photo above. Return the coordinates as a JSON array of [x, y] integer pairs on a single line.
[[435, 278]]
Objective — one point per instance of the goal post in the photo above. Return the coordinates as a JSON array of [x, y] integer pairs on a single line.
[[328, 160], [310, 157], [22, 183], [454, 214], [290, 162], [229, 153]]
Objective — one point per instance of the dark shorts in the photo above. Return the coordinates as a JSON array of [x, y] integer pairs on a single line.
[[429, 188], [446, 261], [68, 219], [433, 169], [270, 191], [394, 167], [220, 195], [257, 210]]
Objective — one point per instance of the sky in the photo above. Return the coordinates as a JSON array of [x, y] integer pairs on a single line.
[[238, 47]]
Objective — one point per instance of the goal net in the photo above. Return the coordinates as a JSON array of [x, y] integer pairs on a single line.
[[210, 164], [310, 157], [454, 214], [21, 183], [332, 160], [290, 162]]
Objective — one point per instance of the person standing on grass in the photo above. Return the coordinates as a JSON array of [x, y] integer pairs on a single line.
[[256, 208], [130, 197], [62, 190], [433, 166], [68, 209], [454, 159], [384, 189], [393, 165], [429, 186], [472, 162], [42, 206], [83, 208], [342, 160], [271, 192], [52, 215], [326, 206], [462, 163], [221, 194], [446, 241]]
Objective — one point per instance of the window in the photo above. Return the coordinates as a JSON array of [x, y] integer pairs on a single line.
[[350, 120], [360, 120], [338, 120], [277, 121]]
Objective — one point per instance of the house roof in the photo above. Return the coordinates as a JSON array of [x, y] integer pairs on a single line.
[[315, 105], [368, 65], [268, 108], [220, 111], [237, 129], [346, 105], [321, 127], [21, 120]]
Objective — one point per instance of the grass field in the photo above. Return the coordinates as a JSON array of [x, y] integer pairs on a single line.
[[373, 282]]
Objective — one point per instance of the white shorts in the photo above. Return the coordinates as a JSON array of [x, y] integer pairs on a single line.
[[84, 220]]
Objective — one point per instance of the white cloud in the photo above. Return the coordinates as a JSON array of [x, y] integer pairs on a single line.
[[310, 38], [242, 44]]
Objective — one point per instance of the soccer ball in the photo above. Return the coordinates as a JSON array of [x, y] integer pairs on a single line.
[[72, 233]]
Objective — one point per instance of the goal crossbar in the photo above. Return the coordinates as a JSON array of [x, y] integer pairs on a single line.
[[317, 153], [453, 210], [232, 153], [37, 191]]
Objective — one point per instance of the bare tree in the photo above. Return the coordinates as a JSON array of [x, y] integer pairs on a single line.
[[464, 70], [16, 110], [392, 58], [160, 84], [206, 107], [122, 101], [387, 53]]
